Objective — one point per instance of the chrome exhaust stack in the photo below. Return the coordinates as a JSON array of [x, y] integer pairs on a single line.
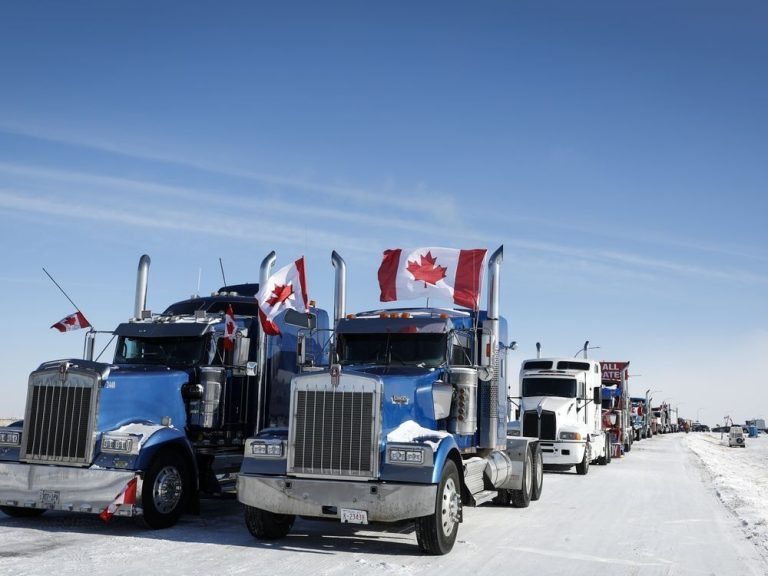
[[142, 281], [265, 271], [490, 436], [494, 271], [340, 288]]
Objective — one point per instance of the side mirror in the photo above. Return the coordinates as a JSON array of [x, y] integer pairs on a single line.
[[301, 349], [597, 394]]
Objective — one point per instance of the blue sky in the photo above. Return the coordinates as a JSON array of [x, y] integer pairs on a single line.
[[617, 150]]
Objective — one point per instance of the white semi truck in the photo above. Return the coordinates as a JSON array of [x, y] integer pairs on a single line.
[[561, 404]]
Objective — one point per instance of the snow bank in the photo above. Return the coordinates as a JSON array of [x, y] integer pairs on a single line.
[[740, 478]]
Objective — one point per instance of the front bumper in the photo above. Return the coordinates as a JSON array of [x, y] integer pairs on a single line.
[[61, 488], [562, 453], [384, 502]]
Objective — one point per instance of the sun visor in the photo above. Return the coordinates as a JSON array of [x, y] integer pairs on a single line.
[[176, 330]]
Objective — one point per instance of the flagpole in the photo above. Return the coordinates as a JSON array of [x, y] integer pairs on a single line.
[[221, 265], [62, 291]]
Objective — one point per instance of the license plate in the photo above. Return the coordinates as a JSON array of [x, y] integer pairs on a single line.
[[349, 516], [49, 498]]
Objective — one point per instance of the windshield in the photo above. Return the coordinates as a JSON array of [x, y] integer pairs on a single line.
[[167, 351], [423, 350], [563, 387]]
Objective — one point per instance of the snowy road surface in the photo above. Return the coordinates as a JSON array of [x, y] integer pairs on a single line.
[[654, 512]]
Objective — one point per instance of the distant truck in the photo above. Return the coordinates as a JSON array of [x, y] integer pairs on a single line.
[[660, 420], [166, 420], [561, 404], [409, 424], [617, 414], [640, 424]]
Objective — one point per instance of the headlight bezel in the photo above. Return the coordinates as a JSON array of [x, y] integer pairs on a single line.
[[263, 448], [570, 436], [10, 437], [119, 443], [409, 455]]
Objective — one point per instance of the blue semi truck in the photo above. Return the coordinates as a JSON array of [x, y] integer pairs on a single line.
[[168, 416], [409, 423]]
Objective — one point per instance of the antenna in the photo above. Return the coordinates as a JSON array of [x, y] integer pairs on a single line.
[[221, 265], [65, 294], [199, 278]]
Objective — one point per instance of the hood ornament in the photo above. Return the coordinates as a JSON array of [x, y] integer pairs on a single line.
[[335, 374]]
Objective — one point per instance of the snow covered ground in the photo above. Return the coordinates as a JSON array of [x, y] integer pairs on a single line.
[[654, 512], [740, 479]]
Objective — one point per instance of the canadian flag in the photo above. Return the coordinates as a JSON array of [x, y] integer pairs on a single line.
[[230, 326], [432, 272], [285, 289], [74, 321], [127, 496]]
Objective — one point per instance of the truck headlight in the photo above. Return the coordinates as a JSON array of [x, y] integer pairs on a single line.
[[265, 449], [10, 438], [570, 436], [118, 443], [400, 455]]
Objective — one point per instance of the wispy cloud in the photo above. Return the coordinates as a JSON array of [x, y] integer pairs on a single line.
[[386, 196], [228, 226], [376, 212]]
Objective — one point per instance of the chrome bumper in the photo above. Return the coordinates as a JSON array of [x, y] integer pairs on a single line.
[[61, 488], [552, 452], [326, 498]]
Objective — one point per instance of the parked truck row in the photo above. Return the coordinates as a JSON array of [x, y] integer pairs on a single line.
[[379, 416]]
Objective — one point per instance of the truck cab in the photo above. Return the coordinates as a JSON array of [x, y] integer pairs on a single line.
[[165, 421], [407, 425], [640, 424], [561, 404]]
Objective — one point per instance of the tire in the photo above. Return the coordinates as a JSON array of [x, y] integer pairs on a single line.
[[166, 490], [582, 468], [436, 533], [538, 474], [268, 525], [605, 458], [608, 452], [522, 498], [628, 446], [18, 512]]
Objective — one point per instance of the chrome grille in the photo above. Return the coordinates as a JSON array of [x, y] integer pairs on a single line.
[[334, 431], [60, 417]]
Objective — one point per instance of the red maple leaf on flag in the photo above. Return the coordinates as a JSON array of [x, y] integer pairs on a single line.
[[280, 294], [426, 270], [70, 320]]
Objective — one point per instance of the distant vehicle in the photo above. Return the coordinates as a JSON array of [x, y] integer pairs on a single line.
[[758, 423], [736, 437]]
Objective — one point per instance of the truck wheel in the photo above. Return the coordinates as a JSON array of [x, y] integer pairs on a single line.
[[165, 491], [605, 459], [538, 474], [437, 532], [583, 467], [267, 525], [628, 446], [522, 498], [18, 512]]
